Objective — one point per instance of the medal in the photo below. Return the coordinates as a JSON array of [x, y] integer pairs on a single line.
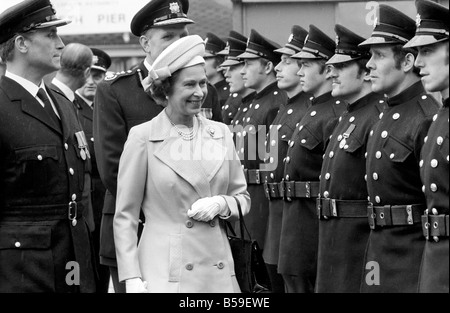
[[83, 154], [342, 143]]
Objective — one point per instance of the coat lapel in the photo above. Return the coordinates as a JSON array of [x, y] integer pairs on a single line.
[[197, 169]]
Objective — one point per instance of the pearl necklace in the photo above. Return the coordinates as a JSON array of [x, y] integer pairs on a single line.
[[185, 136]]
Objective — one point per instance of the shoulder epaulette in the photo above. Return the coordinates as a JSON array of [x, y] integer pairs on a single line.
[[113, 77]]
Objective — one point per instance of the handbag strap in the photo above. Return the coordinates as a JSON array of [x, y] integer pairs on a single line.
[[241, 220]]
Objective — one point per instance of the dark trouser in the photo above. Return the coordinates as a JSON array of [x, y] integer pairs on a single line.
[[276, 280], [295, 284], [119, 287]]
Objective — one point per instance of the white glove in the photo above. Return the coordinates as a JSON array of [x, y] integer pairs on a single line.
[[135, 285], [206, 209]]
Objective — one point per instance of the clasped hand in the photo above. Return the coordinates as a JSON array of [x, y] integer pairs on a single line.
[[206, 209], [136, 285]]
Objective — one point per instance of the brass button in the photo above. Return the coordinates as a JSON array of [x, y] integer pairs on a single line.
[[39, 157], [352, 119], [74, 197], [66, 146], [71, 171], [378, 155], [327, 176], [396, 116], [433, 187], [313, 113], [17, 244], [377, 199], [384, 134], [326, 194], [375, 176], [290, 111], [331, 154], [440, 141], [425, 139], [434, 163]]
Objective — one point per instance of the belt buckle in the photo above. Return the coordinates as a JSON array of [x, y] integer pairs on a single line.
[[289, 190], [281, 188], [72, 212], [409, 213], [266, 190], [257, 177], [333, 207], [319, 207], [371, 215], [308, 189], [426, 225]]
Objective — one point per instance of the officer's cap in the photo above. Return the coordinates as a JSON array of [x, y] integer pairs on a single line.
[[347, 48], [237, 48], [296, 41], [432, 23], [260, 47], [102, 61], [213, 45], [391, 27], [158, 13], [28, 15], [235, 35], [317, 45]]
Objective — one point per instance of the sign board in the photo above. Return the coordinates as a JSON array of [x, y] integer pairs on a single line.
[[92, 16]]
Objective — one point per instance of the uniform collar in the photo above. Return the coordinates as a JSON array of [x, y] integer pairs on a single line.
[[249, 98], [322, 98], [270, 88], [88, 102], [295, 98], [64, 88], [362, 102], [412, 91]]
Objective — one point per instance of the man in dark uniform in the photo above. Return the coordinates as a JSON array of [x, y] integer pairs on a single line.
[[234, 101], [121, 103], [396, 202], [342, 208], [299, 230], [44, 238], [76, 60], [214, 73], [283, 126], [259, 74], [85, 108], [432, 41]]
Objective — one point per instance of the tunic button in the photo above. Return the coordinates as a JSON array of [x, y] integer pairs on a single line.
[[435, 117], [39, 157], [272, 160], [17, 244], [248, 119], [339, 137], [220, 265], [242, 150], [189, 267], [287, 177], [365, 155], [391, 156], [423, 188], [244, 133], [421, 163], [74, 197], [377, 199], [425, 139], [245, 110], [92, 139], [326, 194], [283, 137], [189, 224], [275, 93], [66, 146], [384, 134], [365, 177], [396, 116], [424, 97], [313, 113], [352, 119], [346, 147], [440, 141], [257, 107], [274, 143], [375, 176], [303, 141], [272, 176], [290, 111], [434, 163], [381, 115], [340, 119], [71, 171], [288, 160], [226, 107], [327, 176], [292, 144], [371, 133], [433, 187], [300, 128], [338, 102], [378, 155], [331, 154]]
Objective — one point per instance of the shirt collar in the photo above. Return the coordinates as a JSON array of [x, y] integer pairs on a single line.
[[25, 83], [64, 88], [147, 65], [89, 102]]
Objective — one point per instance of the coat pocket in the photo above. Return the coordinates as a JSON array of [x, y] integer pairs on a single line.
[[396, 150], [175, 257], [307, 139]]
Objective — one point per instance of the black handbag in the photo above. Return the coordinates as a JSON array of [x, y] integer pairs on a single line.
[[249, 266]]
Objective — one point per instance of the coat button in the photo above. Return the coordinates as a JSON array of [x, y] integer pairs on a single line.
[[434, 163], [74, 197], [287, 177], [292, 143], [257, 107], [300, 128], [421, 163], [303, 141], [272, 176], [381, 115], [273, 143], [66, 146], [384, 134], [290, 111], [71, 171], [39, 157], [189, 224], [17, 244], [433, 187], [425, 139], [331, 154], [352, 119], [378, 155], [92, 139], [313, 113], [326, 194], [375, 176], [327, 176], [340, 137], [212, 223], [391, 156], [189, 266], [440, 141], [371, 133], [220, 265], [377, 199], [396, 116]]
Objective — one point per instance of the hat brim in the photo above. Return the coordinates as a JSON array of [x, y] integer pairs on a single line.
[[54, 23], [305, 55], [95, 67], [378, 41], [422, 40], [174, 21], [229, 63], [340, 58], [248, 55], [285, 50], [223, 52]]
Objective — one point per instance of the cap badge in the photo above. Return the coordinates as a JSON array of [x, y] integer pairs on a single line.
[[337, 40], [418, 20], [375, 22], [211, 131], [174, 8], [94, 59], [291, 37]]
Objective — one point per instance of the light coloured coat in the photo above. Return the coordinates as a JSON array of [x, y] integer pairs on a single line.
[[159, 173]]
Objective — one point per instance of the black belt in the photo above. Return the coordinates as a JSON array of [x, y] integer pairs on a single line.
[[394, 215], [289, 190], [41, 213], [253, 177], [435, 226], [341, 208], [274, 190]]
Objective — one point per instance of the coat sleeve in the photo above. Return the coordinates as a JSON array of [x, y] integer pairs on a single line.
[[132, 177], [110, 134], [237, 183]]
